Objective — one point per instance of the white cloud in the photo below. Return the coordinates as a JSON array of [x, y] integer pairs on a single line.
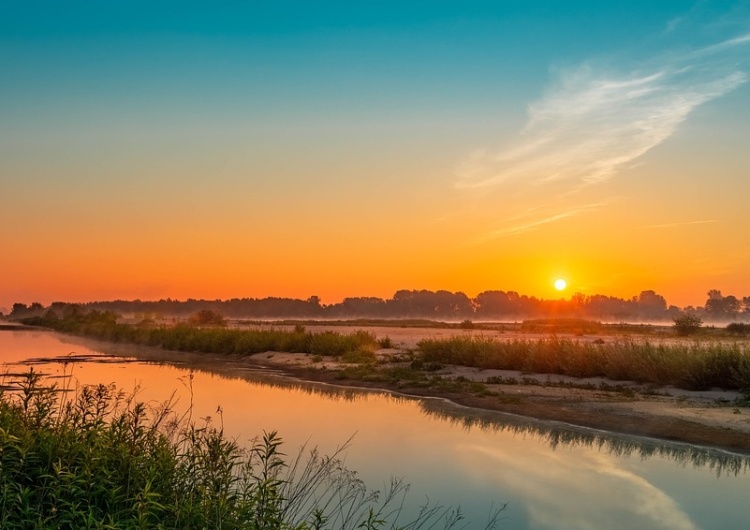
[[520, 224], [684, 223], [592, 122], [582, 489]]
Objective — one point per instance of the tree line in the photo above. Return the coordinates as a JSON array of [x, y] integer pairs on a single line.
[[420, 304]]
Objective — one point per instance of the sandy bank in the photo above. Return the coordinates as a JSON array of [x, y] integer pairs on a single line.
[[711, 418]]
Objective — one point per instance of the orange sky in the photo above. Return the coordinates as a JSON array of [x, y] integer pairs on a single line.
[[191, 157]]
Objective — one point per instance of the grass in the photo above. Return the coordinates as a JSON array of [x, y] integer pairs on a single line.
[[100, 460], [190, 338], [695, 366]]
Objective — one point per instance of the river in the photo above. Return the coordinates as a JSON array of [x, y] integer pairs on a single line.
[[552, 476]]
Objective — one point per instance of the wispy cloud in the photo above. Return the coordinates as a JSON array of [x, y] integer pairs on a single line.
[[520, 224], [673, 24], [684, 223], [594, 121]]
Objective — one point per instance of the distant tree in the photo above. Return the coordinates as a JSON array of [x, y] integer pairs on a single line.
[[206, 317], [429, 304], [722, 307], [650, 304], [687, 324], [673, 312], [359, 307], [314, 301], [19, 310]]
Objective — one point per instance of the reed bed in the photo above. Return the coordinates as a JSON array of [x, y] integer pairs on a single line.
[[694, 366], [190, 338]]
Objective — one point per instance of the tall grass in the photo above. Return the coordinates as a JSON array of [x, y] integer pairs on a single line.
[[695, 366], [185, 337], [101, 460]]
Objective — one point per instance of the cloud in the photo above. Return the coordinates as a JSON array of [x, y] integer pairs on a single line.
[[565, 489], [519, 225], [684, 223], [673, 24], [593, 121]]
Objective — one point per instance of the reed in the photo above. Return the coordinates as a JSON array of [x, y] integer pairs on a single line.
[[694, 365], [194, 338], [102, 460]]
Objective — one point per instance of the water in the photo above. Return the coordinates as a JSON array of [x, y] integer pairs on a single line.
[[551, 476]]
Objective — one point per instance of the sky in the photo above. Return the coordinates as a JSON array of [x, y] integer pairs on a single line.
[[249, 149]]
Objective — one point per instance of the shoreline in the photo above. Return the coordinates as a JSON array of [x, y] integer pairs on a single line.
[[595, 409], [709, 418]]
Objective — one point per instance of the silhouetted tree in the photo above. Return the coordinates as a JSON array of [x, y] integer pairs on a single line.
[[687, 324], [650, 304], [722, 307]]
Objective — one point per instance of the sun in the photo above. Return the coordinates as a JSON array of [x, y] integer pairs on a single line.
[[560, 284]]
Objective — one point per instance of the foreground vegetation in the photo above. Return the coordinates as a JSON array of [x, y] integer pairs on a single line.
[[101, 460]]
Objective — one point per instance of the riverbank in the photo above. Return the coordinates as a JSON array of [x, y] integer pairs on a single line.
[[704, 418], [715, 418]]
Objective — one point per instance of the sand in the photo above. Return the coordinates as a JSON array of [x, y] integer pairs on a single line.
[[703, 417], [710, 418]]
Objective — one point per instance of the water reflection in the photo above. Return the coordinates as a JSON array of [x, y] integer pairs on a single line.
[[553, 476], [552, 433]]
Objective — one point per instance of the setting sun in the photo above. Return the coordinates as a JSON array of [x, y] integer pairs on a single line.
[[560, 284]]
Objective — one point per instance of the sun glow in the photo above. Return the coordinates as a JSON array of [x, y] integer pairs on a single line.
[[560, 284]]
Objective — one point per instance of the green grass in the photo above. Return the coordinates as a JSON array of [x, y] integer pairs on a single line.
[[100, 460]]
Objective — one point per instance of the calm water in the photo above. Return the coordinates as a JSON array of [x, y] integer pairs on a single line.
[[551, 476]]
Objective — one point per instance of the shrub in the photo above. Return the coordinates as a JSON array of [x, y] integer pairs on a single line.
[[206, 317], [738, 328], [385, 342], [688, 324]]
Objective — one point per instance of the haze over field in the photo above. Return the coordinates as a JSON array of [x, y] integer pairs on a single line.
[[332, 149]]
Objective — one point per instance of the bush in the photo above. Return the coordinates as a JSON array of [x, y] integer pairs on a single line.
[[688, 324], [738, 328], [206, 317], [385, 342]]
